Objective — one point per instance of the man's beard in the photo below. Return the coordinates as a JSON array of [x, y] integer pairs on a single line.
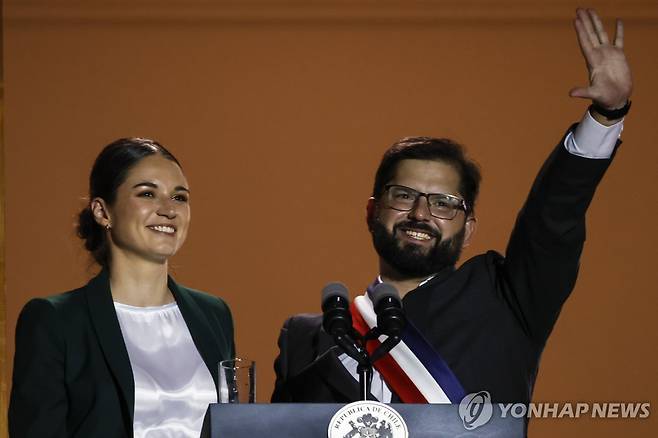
[[411, 260]]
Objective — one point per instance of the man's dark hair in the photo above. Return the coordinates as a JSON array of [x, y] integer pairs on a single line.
[[435, 149]]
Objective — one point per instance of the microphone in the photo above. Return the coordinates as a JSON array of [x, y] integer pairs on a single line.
[[388, 307], [336, 319], [390, 318]]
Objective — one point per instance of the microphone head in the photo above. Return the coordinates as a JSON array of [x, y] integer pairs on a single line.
[[334, 289], [383, 291], [388, 307], [336, 317]]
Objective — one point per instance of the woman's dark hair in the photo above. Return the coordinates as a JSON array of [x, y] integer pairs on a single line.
[[435, 149], [108, 173]]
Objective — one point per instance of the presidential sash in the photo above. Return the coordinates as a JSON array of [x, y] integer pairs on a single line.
[[412, 369]]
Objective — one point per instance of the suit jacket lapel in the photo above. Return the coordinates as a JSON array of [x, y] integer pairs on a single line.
[[331, 369], [204, 338], [105, 323]]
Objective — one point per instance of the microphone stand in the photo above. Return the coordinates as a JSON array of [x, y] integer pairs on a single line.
[[386, 346], [365, 379], [358, 352]]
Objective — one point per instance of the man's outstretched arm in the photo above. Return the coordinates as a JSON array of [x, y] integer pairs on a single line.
[[543, 254]]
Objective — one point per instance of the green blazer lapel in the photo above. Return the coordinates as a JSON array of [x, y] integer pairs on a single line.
[[202, 335], [106, 324]]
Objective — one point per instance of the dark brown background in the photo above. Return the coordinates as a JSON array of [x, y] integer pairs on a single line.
[[291, 104]]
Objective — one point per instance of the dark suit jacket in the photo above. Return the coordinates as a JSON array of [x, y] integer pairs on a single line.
[[72, 374], [490, 318]]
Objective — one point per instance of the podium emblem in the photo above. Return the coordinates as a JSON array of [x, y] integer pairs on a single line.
[[367, 419]]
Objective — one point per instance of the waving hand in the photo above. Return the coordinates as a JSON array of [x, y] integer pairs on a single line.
[[610, 81]]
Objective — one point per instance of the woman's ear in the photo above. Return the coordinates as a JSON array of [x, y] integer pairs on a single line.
[[100, 211]]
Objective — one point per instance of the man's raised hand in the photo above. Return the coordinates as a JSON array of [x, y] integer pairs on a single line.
[[610, 81]]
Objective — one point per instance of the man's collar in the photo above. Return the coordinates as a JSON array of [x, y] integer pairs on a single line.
[[442, 272]]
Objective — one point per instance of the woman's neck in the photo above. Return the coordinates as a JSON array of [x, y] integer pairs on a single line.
[[139, 282]]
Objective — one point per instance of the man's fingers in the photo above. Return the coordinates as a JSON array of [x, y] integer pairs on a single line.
[[598, 26], [619, 35], [586, 21], [583, 39], [582, 92]]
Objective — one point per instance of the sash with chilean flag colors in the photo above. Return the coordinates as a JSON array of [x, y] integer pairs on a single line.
[[412, 369]]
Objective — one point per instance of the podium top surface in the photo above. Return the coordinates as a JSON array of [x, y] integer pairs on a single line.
[[310, 420]]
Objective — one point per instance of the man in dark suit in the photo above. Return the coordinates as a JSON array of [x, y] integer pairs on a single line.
[[488, 321]]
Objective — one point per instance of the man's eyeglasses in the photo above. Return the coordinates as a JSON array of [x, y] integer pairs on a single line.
[[440, 205]]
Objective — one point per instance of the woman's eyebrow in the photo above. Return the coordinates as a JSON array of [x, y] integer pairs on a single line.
[[155, 186]]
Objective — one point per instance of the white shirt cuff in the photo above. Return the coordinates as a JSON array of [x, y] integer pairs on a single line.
[[592, 139]]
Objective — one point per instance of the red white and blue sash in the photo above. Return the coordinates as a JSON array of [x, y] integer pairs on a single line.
[[412, 369]]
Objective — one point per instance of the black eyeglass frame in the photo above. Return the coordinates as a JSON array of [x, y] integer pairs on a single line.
[[462, 204]]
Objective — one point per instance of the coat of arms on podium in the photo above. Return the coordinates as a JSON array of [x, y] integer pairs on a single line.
[[367, 419]]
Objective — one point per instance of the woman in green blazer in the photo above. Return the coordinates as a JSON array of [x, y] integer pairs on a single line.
[[132, 353]]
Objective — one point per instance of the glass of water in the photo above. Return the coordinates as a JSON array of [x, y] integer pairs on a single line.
[[237, 381]]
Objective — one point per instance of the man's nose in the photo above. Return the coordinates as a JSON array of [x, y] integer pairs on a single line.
[[421, 210]]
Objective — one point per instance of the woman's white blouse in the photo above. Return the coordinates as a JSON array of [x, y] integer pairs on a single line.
[[173, 386]]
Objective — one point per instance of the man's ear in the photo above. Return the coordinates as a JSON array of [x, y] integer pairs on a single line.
[[101, 213], [469, 230], [371, 212]]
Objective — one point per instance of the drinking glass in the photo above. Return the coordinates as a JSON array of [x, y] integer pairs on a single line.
[[237, 381]]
